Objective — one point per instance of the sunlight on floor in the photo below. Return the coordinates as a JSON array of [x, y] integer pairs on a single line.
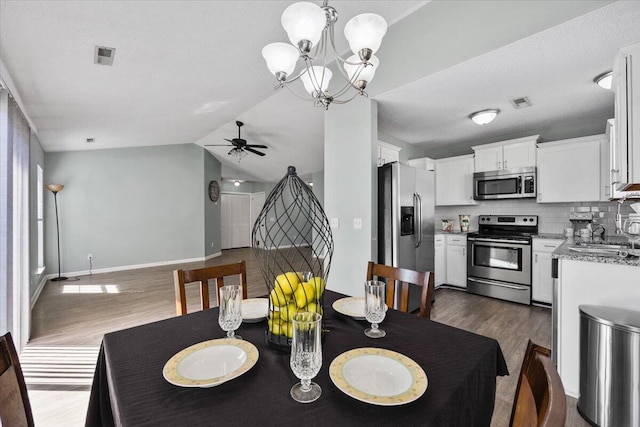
[[90, 289]]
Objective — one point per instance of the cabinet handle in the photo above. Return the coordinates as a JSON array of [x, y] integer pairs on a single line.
[[547, 246], [505, 164], [536, 258], [498, 162], [464, 251]]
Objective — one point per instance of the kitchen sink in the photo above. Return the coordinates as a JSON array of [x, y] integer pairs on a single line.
[[604, 245], [607, 249]]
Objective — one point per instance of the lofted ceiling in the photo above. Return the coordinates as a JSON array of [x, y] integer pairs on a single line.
[[184, 71]]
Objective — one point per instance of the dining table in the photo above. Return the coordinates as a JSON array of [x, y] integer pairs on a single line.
[[129, 388]]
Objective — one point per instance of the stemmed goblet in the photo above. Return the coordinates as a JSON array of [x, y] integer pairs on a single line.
[[230, 314], [374, 307], [306, 355]]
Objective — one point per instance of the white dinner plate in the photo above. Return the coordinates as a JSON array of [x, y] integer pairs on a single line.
[[378, 376], [254, 309], [350, 306], [210, 363]]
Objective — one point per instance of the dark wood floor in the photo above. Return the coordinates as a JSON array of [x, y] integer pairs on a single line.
[[71, 317]]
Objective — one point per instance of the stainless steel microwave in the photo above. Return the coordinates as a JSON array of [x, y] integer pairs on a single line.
[[505, 184]]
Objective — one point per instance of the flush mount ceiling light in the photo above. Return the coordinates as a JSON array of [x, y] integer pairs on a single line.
[[311, 32], [484, 117], [236, 183], [604, 80]]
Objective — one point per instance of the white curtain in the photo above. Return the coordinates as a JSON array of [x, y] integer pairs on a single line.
[[14, 220]]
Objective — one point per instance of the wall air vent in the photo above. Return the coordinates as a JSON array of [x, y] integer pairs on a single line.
[[104, 55], [91, 140], [521, 103]]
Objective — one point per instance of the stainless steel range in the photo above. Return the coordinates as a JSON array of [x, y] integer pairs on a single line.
[[499, 257]]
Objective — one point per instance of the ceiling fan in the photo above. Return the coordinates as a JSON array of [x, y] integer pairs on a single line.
[[239, 145]]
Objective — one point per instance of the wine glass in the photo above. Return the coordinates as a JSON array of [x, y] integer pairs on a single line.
[[374, 307], [230, 314], [306, 355]]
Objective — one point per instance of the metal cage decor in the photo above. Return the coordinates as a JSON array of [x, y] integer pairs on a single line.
[[292, 241]]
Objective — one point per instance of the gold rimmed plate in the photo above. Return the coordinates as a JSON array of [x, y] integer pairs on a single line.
[[378, 376], [210, 363]]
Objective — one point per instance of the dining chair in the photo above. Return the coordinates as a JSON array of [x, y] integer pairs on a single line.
[[202, 276], [15, 409], [539, 400], [403, 277]]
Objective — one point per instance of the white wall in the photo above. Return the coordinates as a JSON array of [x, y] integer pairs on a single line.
[[351, 190]]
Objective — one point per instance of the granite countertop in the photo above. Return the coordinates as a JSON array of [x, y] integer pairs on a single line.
[[563, 252], [549, 236], [453, 232]]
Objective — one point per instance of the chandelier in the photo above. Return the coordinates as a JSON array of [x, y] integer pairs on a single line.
[[311, 32]]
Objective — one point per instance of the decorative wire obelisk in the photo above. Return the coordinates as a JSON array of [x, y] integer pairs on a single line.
[[292, 241]]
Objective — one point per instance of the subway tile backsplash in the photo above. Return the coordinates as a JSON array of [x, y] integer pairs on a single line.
[[552, 217]]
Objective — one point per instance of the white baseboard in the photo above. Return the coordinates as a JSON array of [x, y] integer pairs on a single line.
[[39, 289], [270, 248], [133, 267]]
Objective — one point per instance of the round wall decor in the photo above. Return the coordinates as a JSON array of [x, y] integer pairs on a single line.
[[214, 191]]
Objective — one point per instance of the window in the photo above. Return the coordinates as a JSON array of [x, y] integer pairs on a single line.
[[40, 215]]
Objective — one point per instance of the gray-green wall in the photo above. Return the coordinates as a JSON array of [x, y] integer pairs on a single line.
[[212, 212], [130, 206]]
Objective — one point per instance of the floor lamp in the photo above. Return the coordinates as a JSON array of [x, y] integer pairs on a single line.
[[54, 188]]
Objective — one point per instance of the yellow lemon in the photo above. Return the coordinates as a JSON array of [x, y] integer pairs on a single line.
[[319, 285], [275, 327], [304, 294], [314, 307], [274, 314], [287, 329], [288, 311], [277, 298], [287, 282]]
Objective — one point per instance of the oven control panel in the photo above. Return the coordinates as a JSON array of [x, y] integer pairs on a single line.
[[508, 220]]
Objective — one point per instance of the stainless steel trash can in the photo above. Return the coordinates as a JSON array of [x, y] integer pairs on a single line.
[[609, 366]]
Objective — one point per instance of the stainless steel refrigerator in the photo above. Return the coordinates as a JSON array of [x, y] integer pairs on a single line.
[[406, 221]]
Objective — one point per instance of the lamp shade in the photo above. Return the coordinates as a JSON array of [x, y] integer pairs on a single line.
[[318, 79], [365, 32], [303, 21], [484, 117], [367, 72], [280, 57], [54, 187]]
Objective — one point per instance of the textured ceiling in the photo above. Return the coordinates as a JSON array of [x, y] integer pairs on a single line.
[[184, 71]]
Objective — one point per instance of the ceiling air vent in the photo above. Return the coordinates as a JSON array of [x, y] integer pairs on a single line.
[[90, 140], [521, 103], [104, 55]]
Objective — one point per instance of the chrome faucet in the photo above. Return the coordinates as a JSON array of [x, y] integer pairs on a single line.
[[620, 201]]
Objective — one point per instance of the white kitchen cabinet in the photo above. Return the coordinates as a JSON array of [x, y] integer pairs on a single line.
[[541, 281], [387, 153], [456, 262], [422, 163], [440, 260], [511, 154], [570, 170], [454, 181], [625, 150]]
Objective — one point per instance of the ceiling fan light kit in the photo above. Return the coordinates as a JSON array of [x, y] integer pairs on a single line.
[[310, 29], [484, 117]]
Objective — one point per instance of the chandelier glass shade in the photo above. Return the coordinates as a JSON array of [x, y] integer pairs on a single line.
[[237, 153], [310, 29]]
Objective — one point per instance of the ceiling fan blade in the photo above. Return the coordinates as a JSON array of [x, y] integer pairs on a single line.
[[228, 140], [251, 150], [217, 145], [256, 146]]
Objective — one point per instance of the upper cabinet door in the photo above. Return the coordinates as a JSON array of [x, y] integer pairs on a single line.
[[488, 159], [387, 153], [454, 181], [519, 155], [569, 170]]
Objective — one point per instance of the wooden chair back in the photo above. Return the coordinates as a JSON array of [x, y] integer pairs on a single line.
[[401, 278], [15, 409], [540, 400], [202, 276]]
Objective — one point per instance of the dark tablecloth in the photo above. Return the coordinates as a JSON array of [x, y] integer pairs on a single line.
[[129, 389]]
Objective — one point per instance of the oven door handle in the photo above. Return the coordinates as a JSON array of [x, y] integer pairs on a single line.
[[479, 239], [504, 285]]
